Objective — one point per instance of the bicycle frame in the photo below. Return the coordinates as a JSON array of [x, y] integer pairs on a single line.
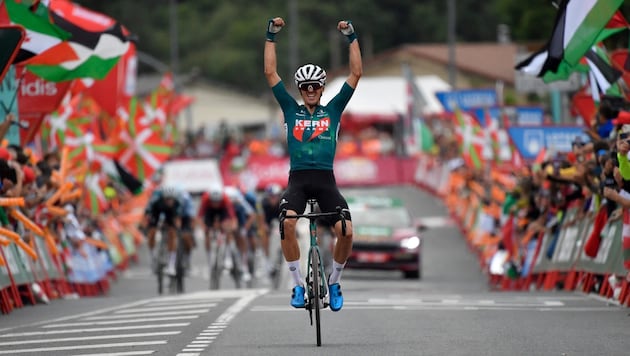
[[316, 280]]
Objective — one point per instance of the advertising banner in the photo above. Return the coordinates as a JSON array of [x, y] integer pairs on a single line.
[[515, 115], [467, 99], [37, 95], [195, 175], [531, 140], [609, 253]]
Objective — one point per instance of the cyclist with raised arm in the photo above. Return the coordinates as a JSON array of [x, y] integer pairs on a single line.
[[312, 131], [164, 202]]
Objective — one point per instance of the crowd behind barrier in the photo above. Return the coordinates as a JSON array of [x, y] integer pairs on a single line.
[[51, 244], [561, 222]]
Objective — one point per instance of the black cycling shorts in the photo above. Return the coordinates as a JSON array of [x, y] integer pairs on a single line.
[[187, 223], [314, 184], [211, 215], [169, 218]]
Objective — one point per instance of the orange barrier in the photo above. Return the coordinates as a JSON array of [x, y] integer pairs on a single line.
[[57, 195], [28, 223], [12, 201]]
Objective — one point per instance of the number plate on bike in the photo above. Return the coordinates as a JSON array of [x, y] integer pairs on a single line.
[[372, 257]]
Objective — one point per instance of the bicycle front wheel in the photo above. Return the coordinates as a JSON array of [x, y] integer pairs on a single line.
[[317, 301]]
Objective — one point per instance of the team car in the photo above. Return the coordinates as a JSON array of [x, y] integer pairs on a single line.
[[385, 236]]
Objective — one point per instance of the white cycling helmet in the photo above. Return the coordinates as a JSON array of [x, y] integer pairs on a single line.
[[310, 73], [215, 193], [169, 191], [273, 189]]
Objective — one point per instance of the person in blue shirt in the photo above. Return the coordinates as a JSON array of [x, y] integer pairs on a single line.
[[312, 131]]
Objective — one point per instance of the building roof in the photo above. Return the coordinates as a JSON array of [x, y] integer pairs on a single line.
[[384, 98], [491, 61]]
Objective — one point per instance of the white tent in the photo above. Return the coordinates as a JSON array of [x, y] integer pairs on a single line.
[[387, 96]]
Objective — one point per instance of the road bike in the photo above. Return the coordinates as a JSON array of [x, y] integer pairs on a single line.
[[276, 258], [316, 281], [222, 253], [176, 282]]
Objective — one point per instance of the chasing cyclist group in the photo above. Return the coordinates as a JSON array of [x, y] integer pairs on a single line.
[[243, 217]]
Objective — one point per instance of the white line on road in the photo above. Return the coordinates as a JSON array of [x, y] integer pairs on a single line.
[[553, 303], [85, 338], [177, 307], [223, 320], [111, 322], [182, 302], [69, 317], [442, 307], [80, 347], [147, 315], [74, 331], [126, 353]]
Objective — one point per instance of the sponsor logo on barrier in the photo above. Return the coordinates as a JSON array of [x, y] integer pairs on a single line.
[[530, 140]]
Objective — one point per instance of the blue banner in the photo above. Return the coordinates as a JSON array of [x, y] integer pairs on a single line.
[[516, 115], [467, 99], [530, 140]]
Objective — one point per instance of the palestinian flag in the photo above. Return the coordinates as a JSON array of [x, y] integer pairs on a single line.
[[93, 53], [41, 33], [537, 63], [578, 25], [602, 73]]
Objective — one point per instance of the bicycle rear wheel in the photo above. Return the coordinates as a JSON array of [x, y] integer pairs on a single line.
[[217, 265], [180, 265], [316, 302]]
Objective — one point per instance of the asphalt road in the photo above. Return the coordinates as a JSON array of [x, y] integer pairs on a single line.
[[449, 312]]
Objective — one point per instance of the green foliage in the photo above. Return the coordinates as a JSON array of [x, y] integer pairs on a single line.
[[224, 38]]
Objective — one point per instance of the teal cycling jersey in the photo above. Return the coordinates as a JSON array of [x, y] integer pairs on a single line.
[[312, 139]]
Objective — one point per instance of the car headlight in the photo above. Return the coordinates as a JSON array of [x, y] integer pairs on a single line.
[[410, 243]]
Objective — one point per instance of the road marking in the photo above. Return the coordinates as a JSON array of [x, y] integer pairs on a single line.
[[437, 221], [80, 347], [111, 322], [85, 338], [126, 353], [177, 307], [282, 308], [553, 303], [222, 321], [145, 315], [74, 331], [70, 317], [181, 302]]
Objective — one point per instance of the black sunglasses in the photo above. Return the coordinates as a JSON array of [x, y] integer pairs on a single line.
[[309, 86]]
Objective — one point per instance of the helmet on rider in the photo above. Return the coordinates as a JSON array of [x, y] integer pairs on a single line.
[[273, 189], [215, 193], [310, 74], [168, 192]]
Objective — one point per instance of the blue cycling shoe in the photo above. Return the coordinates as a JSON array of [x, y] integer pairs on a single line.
[[297, 298], [336, 298]]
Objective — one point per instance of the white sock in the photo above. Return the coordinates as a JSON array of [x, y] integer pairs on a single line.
[[335, 276], [294, 269], [172, 257]]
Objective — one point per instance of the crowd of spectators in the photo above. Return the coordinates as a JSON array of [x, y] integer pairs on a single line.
[[53, 200], [228, 140], [593, 177]]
